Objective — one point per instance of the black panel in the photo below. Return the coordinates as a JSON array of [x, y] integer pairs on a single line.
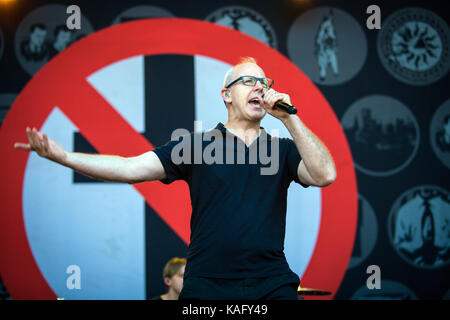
[[80, 144], [169, 96], [169, 100]]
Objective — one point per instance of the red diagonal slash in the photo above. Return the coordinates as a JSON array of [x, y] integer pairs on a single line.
[[110, 133]]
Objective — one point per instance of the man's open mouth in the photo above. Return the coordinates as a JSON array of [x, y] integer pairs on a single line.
[[254, 102]]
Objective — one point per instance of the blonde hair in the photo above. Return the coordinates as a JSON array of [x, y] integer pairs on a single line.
[[173, 266], [229, 75]]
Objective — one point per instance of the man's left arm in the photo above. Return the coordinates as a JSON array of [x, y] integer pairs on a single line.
[[317, 166]]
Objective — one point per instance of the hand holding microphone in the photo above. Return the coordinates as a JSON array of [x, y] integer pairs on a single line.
[[284, 106]]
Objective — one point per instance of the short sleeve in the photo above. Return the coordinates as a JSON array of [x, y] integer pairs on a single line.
[[173, 158], [293, 161]]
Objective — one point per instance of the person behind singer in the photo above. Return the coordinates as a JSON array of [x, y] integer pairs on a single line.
[[173, 274], [238, 214]]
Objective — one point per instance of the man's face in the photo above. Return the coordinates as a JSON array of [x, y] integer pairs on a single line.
[[241, 94], [63, 38], [37, 37]]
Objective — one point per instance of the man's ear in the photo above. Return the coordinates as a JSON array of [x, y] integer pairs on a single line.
[[167, 281], [226, 96]]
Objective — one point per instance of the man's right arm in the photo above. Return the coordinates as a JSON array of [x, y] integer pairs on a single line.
[[145, 167]]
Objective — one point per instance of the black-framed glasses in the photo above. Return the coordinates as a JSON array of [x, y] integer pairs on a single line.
[[251, 82]]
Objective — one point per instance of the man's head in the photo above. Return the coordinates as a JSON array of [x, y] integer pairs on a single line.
[[62, 36], [173, 273], [243, 86], [38, 32]]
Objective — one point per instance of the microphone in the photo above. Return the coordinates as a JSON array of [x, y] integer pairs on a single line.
[[285, 107]]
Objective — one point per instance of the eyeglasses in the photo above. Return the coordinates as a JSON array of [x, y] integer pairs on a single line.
[[251, 82]]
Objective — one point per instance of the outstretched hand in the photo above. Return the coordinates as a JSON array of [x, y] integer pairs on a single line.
[[42, 145]]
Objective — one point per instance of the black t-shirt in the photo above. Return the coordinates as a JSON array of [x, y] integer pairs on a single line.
[[238, 214]]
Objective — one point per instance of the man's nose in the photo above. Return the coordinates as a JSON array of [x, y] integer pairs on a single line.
[[259, 85]]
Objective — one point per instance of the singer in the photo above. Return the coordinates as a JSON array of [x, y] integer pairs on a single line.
[[238, 213]]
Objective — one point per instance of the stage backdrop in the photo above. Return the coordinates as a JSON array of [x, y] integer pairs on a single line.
[[377, 97]]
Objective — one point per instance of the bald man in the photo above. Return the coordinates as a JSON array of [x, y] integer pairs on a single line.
[[238, 208]]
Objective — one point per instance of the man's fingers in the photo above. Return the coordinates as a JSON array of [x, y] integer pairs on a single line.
[[23, 146], [40, 136], [270, 97], [30, 139], [36, 141], [42, 143]]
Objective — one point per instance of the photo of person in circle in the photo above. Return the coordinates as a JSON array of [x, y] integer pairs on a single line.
[[35, 48], [61, 41]]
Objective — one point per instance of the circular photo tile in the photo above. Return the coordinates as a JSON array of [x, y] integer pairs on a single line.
[[419, 226], [383, 134], [43, 33], [247, 21], [142, 12], [414, 46], [390, 290], [328, 45]]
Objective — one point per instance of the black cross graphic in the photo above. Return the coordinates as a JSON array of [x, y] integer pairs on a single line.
[[169, 105]]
